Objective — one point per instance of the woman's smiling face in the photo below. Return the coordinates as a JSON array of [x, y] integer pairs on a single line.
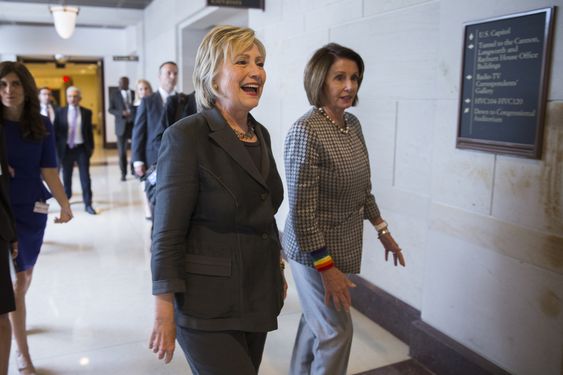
[[240, 81]]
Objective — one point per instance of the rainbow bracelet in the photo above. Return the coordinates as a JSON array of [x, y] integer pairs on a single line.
[[322, 260]]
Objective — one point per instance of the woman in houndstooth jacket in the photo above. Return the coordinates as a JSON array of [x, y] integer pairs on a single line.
[[329, 187]]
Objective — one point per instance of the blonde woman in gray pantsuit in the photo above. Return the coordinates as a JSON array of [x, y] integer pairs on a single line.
[[329, 187]]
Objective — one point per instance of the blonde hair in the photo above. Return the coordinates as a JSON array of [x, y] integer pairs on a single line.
[[145, 82], [220, 43]]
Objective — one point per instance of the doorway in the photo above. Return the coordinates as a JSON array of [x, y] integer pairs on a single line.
[[58, 73]]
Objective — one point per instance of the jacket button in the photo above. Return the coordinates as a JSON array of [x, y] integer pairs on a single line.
[[264, 236]]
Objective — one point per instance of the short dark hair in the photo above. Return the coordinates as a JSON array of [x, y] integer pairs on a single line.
[[318, 66], [43, 88], [31, 124], [167, 63]]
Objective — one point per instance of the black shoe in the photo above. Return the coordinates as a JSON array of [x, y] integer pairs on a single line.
[[123, 178], [90, 210]]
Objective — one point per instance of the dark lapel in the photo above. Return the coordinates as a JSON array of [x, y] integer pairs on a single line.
[[158, 101], [121, 100], [265, 152], [222, 134], [64, 117], [82, 122]]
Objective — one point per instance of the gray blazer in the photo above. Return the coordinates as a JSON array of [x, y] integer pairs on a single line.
[[215, 240], [116, 107], [329, 190]]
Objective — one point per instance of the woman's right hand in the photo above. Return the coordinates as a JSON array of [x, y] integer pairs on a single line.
[[337, 286], [163, 336], [66, 215]]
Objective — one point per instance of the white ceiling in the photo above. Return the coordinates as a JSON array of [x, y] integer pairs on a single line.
[[28, 13], [132, 4]]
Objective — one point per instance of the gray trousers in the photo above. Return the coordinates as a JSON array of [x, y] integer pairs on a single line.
[[324, 336], [221, 352]]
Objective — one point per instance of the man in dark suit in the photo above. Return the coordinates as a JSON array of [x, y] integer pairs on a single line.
[[145, 141], [75, 144], [46, 103], [177, 107], [7, 236], [121, 104]]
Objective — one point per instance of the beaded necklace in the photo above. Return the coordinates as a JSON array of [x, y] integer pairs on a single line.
[[242, 136], [343, 130]]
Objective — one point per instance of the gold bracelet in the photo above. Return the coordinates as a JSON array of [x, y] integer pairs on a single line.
[[381, 226], [383, 232], [282, 265]]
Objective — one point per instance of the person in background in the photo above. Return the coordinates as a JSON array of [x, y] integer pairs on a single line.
[[147, 129], [147, 121], [8, 246], [329, 190], [121, 106], [30, 144], [47, 104], [217, 278], [75, 144], [144, 88], [177, 107]]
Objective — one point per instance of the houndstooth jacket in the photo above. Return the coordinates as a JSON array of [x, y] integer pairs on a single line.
[[329, 188]]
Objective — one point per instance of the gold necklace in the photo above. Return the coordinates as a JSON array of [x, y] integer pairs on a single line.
[[343, 130], [241, 135]]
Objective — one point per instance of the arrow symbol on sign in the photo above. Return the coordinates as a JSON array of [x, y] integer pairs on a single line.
[[468, 100], [469, 76], [471, 36], [470, 46], [466, 110]]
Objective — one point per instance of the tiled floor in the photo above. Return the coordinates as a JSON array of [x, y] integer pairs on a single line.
[[90, 308]]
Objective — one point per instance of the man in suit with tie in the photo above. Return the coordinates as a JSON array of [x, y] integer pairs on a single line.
[[145, 142], [121, 104], [7, 237], [75, 144], [46, 103]]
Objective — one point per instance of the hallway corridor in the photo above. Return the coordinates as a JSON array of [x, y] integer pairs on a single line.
[[90, 309]]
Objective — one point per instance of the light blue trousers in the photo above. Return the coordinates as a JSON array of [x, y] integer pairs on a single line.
[[324, 336]]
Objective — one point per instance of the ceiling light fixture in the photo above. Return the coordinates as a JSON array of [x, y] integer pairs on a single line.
[[65, 20]]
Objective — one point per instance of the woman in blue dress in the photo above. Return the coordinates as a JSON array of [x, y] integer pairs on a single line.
[[30, 146]]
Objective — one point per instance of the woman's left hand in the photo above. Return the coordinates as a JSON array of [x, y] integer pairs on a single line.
[[66, 215], [391, 246]]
